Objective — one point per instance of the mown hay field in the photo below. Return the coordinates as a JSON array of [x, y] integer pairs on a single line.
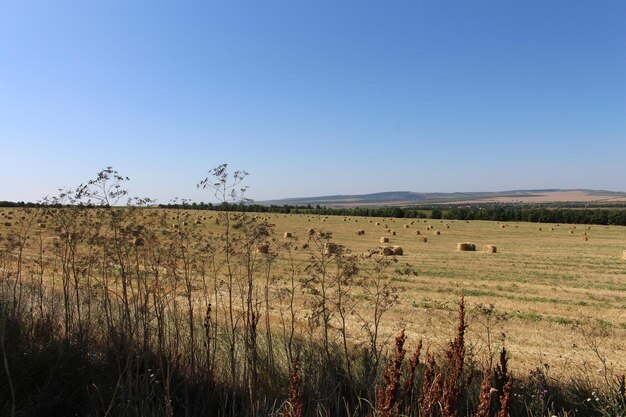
[[554, 295]]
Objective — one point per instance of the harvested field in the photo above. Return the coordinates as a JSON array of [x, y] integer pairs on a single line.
[[551, 295]]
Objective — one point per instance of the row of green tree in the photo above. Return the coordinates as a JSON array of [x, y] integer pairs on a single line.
[[520, 213]]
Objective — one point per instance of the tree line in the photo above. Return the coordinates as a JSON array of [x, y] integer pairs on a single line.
[[519, 213]]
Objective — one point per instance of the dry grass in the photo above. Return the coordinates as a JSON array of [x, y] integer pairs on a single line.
[[548, 290], [559, 301]]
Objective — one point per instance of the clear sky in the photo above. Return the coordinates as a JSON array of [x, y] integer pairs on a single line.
[[313, 97]]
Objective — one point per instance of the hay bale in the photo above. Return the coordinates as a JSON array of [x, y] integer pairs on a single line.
[[386, 251], [417, 232], [502, 226], [42, 225], [397, 250], [7, 224], [198, 221], [377, 223], [585, 238], [423, 239], [288, 235], [263, 248], [539, 228], [393, 233], [175, 226], [185, 223], [571, 232], [330, 248], [138, 241], [406, 226], [384, 239], [490, 249], [360, 232], [436, 233], [310, 232], [465, 247]]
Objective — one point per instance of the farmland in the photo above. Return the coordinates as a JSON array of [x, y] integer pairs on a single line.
[[552, 293], [239, 301]]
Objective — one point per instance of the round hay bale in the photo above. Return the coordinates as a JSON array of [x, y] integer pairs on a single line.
[[384, 239], [417, 232], [330, 248], [7, 224], [571, 232], [465, 247], [198, 221], [175, 226], [585, 238], [42, 225], [397, 250], [377, 223], [386, 251], [490, 249], [447, 226], [310, 232], [360, 232], [263, 248], [436, 233], [185, 223], [138, 241], [406, 226], [502, 226], [393, 233], [539, 228], [423, 239], [288, 235]]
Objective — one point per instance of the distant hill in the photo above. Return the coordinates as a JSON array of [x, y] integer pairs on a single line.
[[408, 198]]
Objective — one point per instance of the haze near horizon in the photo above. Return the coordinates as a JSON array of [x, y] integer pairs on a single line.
[[313, 99]]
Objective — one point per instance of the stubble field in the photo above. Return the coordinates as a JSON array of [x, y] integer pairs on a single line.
[[554, 295], [555, 298]]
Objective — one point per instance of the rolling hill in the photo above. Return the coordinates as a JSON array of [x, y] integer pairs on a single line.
[[408, 198]]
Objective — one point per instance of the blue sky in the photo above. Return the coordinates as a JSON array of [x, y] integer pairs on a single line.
[[313, 97]]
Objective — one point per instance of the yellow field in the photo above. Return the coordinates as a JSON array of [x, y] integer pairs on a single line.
[[556, 295], [555, 298]]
